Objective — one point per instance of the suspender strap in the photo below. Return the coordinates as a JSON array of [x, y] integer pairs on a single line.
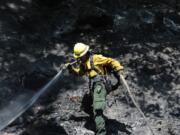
[[93, 67]]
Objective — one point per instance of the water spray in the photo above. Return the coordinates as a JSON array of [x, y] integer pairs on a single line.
[[17, 106]]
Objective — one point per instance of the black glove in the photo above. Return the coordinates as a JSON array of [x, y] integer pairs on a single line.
[[114, 87], [117, 76], [68, 66]]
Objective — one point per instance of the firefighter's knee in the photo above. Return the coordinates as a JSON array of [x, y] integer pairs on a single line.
[[99, 105]]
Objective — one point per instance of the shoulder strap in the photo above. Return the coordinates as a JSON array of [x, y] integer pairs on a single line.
[[92, 65]]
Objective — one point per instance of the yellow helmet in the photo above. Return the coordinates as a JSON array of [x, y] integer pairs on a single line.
[[80, 49]]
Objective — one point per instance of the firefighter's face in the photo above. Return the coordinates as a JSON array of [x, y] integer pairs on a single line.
[[83, 58]]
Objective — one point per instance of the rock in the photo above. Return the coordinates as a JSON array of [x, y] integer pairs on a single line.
[[171, 25], [147, 17], [163, 56], [168, 50], [120, 23], [176, 112]]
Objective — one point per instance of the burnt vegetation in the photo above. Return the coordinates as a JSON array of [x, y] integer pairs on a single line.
[[37, 36]]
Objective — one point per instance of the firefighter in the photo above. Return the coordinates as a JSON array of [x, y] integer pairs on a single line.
[[96, 67]]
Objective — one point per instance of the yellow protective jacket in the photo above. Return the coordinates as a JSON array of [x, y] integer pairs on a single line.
[[101, 64]]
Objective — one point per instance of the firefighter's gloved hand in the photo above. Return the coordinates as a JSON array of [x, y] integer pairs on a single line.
[[68, 66], [117, 75], [120, 73], [114, 87]]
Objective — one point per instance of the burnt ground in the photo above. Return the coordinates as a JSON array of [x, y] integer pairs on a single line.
[[37, 36]]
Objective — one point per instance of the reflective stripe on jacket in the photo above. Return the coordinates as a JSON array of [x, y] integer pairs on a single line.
[[101, 63]]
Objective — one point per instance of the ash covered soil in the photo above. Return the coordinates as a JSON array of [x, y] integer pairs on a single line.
[[37, 36]]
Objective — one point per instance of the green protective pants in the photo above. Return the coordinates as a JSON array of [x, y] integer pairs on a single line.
[[99, 104]]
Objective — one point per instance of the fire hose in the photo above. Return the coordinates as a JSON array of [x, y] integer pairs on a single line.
[[136, 105]]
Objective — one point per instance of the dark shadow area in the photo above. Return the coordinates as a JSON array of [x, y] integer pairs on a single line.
[[114, 127], [86, 104], [43, 127], [90, 124]]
